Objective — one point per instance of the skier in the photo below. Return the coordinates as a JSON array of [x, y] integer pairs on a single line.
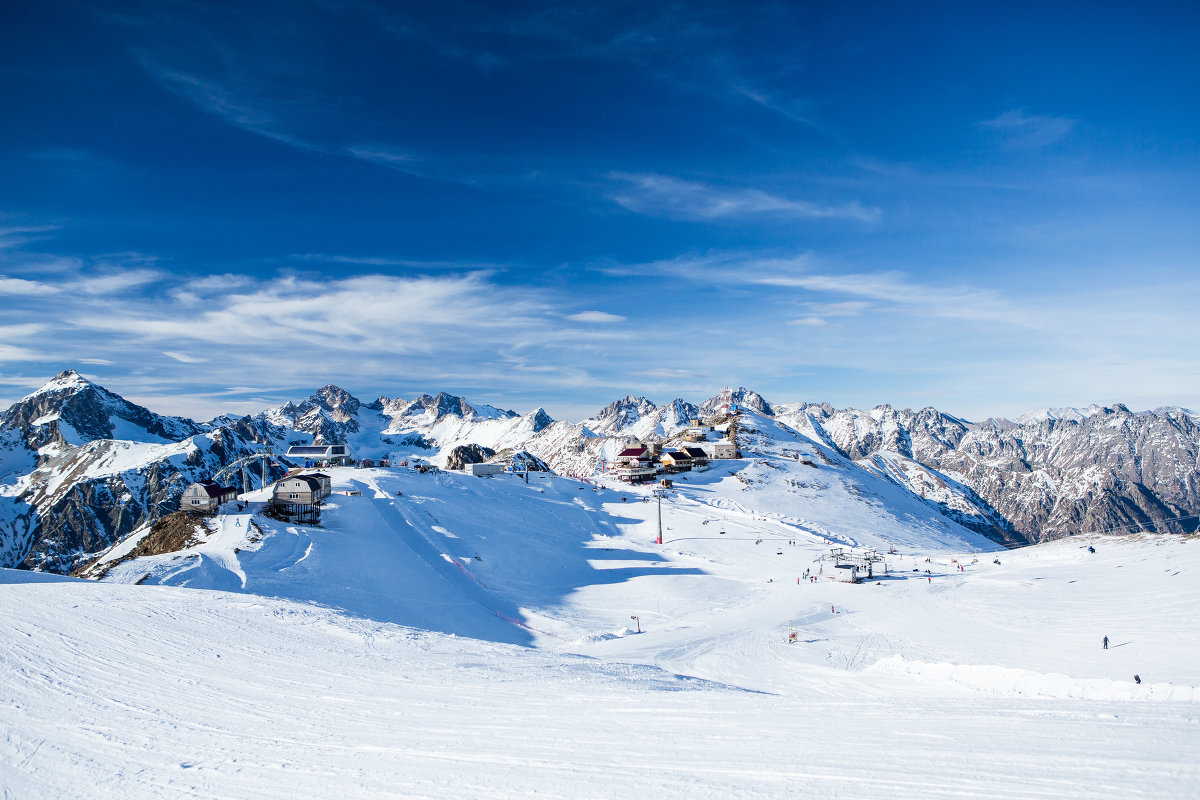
[[1105, 642], [1137, 679]]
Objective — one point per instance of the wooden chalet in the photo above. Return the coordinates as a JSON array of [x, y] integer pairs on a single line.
[[205, 496]]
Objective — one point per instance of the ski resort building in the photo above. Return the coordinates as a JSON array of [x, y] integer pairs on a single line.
[[847, 573], [723, 449], [698, 456], [297, 490], [298, 497], [325, 481], [483, 470], [635, 465], [205, 496], [676, 461], [332, 454]]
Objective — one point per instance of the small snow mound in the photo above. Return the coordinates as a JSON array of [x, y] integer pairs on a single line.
[[592, 638]]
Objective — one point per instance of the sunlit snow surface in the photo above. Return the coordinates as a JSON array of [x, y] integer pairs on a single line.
[[473, 637]]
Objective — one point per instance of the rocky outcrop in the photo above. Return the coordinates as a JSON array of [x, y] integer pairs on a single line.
[[1050, 473], [464, 454]]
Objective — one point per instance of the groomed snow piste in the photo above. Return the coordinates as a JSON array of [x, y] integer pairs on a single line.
[[441, 635]]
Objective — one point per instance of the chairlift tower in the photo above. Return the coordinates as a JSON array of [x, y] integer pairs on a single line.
[[660, 494]]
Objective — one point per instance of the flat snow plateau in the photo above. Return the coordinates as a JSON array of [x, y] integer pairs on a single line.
[[474, 637]]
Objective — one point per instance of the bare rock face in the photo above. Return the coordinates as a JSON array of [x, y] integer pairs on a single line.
[[1048, 475], [464, 454]]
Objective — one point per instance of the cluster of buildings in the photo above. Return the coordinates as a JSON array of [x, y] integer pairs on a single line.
[[640, 463], [297, 496]]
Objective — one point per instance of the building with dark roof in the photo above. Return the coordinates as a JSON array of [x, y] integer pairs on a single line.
[[206, 496]]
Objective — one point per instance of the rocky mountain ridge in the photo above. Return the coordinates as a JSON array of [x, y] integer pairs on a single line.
[[82, 467]]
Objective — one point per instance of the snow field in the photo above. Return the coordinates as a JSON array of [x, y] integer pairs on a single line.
[[215, 694], [442, 635]]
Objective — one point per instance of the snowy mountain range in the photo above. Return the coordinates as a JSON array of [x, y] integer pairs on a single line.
[[82, 468]]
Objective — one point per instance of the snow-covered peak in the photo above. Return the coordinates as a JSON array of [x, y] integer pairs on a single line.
[[335, 400], [431, 408], [730, 399], [71, 410], [620, 415], [66, 382], [1178, 411], [1059, 414]]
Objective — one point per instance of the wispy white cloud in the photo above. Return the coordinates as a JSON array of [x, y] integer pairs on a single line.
[[595, 316], [117, 281], [22, 286], [12, 236], [219, 283], [11, 353], [184, 357], [387, 261], [674, 198], [847, 308], [236, 100], [811, 322], [1018, 130], [377, 313], [10, 333], [842, 293], [382, 154]]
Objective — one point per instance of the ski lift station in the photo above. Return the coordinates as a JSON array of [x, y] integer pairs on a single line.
[[333, 454], [851, 567], [846, 573]]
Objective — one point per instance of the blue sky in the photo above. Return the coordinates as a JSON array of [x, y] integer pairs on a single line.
[[987, 208]]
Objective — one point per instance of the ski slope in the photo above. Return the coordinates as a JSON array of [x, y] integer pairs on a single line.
[[443, 635]]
